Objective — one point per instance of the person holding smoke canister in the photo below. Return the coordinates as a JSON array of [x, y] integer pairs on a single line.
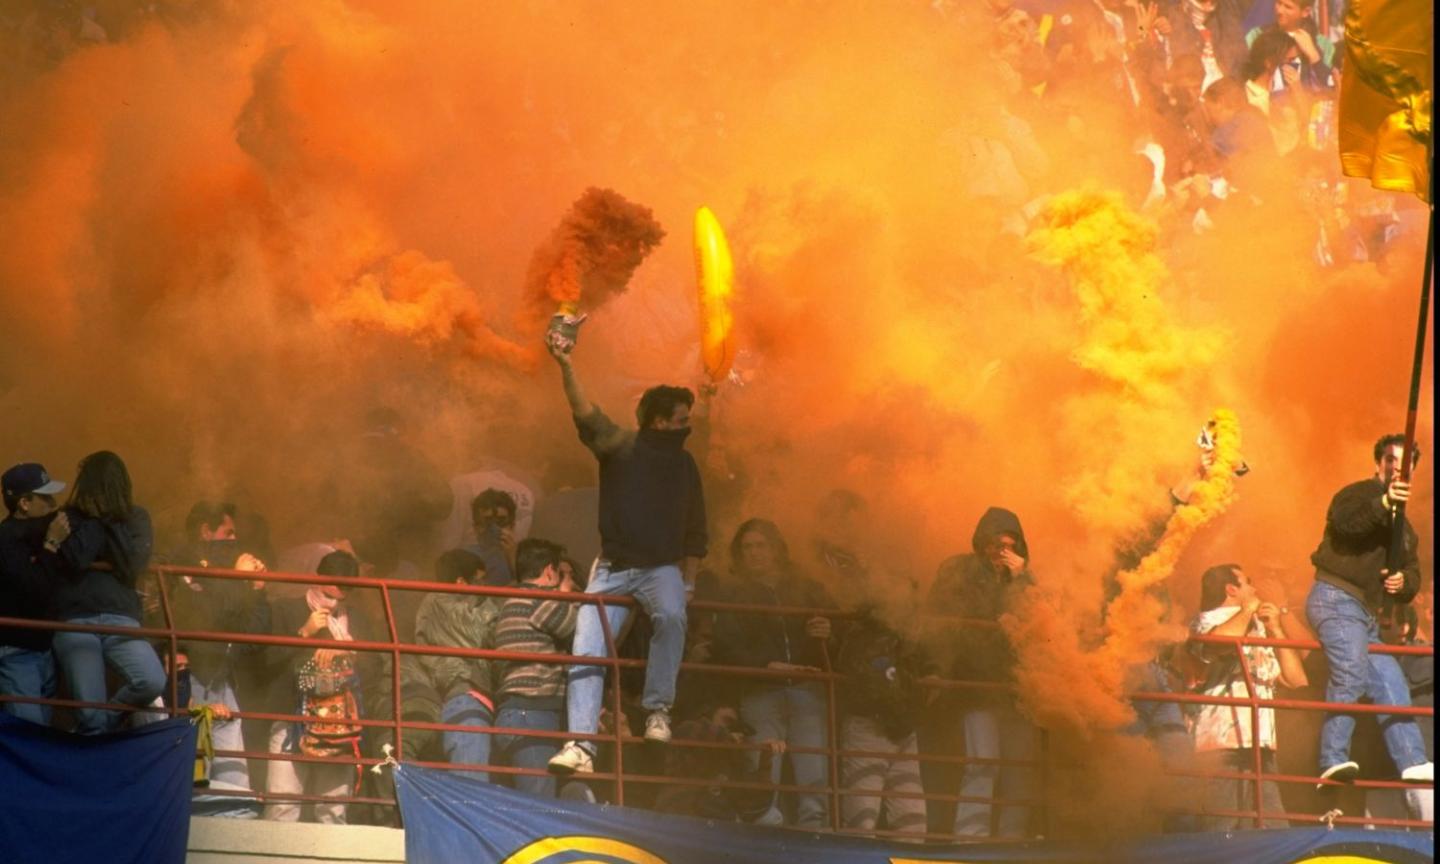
[[105, 552], [1352, 578], [652, 538]]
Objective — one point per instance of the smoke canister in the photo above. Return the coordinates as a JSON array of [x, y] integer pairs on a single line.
[[564, 326]]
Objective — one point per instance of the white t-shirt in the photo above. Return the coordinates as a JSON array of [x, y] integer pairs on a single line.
[[1228, 727]]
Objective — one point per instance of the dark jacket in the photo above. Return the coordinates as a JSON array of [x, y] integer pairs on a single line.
[[880, 670], [28, 575], [969, 587], [755, 639], [1356, 544], [455, 621], [223, 605], [652, 504], [101, 562]]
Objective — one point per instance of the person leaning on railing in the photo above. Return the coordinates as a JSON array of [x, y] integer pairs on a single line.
[[789, 710], [28, 573], [984, 584], [531, 695], [106, 551], [1351, 580], [323, 686], [1225, 734], [452, 690]]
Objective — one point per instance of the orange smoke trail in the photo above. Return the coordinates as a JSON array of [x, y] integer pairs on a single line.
[[589, 257]]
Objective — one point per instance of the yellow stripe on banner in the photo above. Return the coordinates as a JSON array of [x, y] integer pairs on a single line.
[[542, 851]]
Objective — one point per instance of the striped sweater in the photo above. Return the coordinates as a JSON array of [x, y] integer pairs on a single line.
[[535, 627]]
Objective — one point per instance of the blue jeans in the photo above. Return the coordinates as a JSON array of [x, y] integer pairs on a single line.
[[27, 673], [518, 751], [1346, 630], [661, 593], [83, 657], [794, 714], [466, 748], [995, 733]]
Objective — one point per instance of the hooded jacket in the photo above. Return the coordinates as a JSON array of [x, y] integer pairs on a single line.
[[968, 586]]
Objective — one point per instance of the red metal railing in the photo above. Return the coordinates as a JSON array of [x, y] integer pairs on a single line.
[[618, 737]]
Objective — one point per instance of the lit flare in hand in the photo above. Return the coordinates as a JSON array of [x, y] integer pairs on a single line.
[[715, 278]]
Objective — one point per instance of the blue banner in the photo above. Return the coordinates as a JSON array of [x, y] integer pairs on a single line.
[[450, 817], [86, 799]]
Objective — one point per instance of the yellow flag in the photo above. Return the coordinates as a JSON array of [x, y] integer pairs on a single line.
[[1385, 93]]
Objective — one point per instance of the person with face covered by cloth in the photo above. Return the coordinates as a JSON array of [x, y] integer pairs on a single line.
[[322, 685], [226, 605], [28, 574], [652, 536], [984, 584], [1353, 576]]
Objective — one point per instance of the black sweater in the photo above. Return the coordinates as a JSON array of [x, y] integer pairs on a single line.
[[1357, 542], [28, 576], [101, 561], [652, 505]]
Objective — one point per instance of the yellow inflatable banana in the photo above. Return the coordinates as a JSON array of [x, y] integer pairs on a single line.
[[715, 277]]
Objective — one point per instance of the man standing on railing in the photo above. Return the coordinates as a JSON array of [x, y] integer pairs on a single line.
[[652, 538], [27, 577], [1225, 734], [1351, 578]]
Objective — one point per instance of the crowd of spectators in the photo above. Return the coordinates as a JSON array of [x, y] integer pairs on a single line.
[[86, 564], [1216, 92]]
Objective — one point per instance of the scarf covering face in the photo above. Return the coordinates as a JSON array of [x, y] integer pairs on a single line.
[[339, 621]]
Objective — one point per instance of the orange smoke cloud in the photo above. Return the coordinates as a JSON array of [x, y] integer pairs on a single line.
[[589, 257], [233, 228]]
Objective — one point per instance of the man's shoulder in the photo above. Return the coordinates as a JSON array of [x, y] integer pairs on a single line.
[[1360, 489]]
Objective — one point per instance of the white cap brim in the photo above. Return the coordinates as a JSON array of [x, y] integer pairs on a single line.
[[51, 488]]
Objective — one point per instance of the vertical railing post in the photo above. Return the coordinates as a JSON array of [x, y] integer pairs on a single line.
[[1254, 731], [834, 742], [613, 665], [394, 669], [174, 645]]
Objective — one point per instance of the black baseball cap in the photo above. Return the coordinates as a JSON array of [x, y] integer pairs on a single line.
[[28, 478]]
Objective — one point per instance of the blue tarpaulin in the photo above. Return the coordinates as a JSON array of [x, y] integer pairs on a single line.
[[450, 817], [95, 799]]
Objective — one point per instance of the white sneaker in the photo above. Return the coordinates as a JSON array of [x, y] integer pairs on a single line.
[[657, 727], [572, 759], [1343, 773], [1419, 773]]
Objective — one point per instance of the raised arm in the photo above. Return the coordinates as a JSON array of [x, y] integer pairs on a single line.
[[560, 343], [580, 405]]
